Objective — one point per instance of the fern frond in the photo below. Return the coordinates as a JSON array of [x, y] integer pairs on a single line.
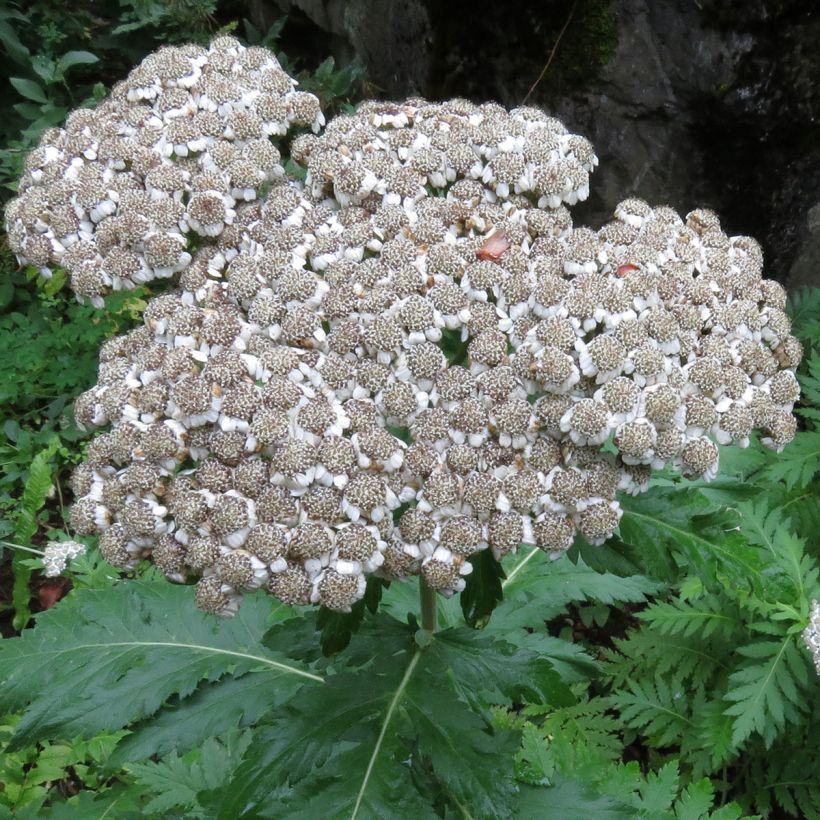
[[35, 492], [705, 617], [578, 739], [682, 658], [767, 691], [175, 781], [655, 708], [804, 308], [772, 531], [797, 465]]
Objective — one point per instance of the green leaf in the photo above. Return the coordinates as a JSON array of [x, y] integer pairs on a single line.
[[337, 628], [797, 465], [656, 708], [703, 617], [102, 659], [483, 590], [570, 800], [695, 801], [659, 791], [486, 671], [581, 739], [28, 89], [537, 588], [11, 42], [214, 709], [405, 730], [768, 690], [35, 492], [175, 781], [72, 58], [792, 574], [683, 522]]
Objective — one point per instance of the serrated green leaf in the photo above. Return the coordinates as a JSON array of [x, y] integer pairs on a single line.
[[570, 660], [704, 617], [537, 588], [212, 710], [487, 671], [797, 465], [351, 750], [683, 522], [660, 789], [35, 492], [102, 659], [695, 801], [656, 708], [175, 781], [581, 739], [764, 692], [570, 800]]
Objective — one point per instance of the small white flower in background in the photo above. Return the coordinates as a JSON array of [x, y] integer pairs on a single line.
[[57, 555], [811, 634]]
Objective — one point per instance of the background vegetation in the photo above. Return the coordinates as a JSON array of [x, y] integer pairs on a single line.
[[662, 675]]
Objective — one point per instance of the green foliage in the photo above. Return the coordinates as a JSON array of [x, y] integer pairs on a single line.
[[411, 732], [36, 490], [27, 774], [661, 676], [174, 782], [484, 591], [104, 659], [537, 589]]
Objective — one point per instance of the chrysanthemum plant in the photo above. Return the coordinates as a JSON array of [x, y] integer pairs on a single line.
[[400, 365]]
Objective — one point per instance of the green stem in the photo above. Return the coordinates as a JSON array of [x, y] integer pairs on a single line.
[[21, 547], [427, 596]]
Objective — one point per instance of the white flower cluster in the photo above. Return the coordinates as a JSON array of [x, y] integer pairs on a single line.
[[392, 154], [176, 150], [410, 357], [57, 555], [393, 385], [811, 634]]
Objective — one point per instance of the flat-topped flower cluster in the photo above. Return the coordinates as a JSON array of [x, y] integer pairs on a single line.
[[179, 145], [411, 356]]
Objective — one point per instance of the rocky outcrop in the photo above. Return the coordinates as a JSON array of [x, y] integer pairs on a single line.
[[691, 104]]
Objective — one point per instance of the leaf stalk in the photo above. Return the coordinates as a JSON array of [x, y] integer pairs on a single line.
[[427, 597]]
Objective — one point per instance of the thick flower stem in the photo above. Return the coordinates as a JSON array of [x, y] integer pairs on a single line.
[[427, 595]]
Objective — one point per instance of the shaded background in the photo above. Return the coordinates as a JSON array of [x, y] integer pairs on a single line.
[[689, 103]]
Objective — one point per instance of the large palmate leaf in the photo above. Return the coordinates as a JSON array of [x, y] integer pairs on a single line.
[[103, 659], [404, 735]]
